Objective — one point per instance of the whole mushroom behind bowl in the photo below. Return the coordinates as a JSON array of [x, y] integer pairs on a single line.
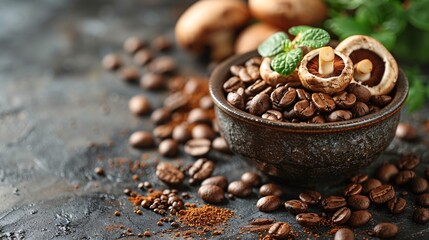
[[251, 37]]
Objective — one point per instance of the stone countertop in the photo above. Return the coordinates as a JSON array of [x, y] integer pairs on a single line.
[[60, 112]]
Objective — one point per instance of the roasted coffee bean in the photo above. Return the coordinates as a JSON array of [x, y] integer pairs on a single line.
[[317, 119], [236, 100], [408, 162], [206, 102], [143, 57], [211, 193], [301, 94], [323, 102], [418, 185], [152, 81], [308, 219], [273, 115], [359, 218], [268, 203], [333, 203], [339, 115], [362, 93], [129, 74], [160, 116], [270, 189], [255, 88], [370, 184], [381, 100], [385, 230], [249, 74], [259, 104], [310, 197], [344, 234], [358, 202], [251, 178], [163, 65], [304, 109], [168, 148], [235, 69], [421, 215], [404, 176], [352, 189], [201, 169], [139, 105], [359, 109], [133, 44], [197, 147], [296, 206], [203, 131], [283, 97], [176, 101], [169, 174], [182, 133], [289, 114], [219, 181], [382, 194], [360, 178], [279, 230], [261, 222], [386, 171], [111, 62], [141, 139], [396, 205], [423, 200], [406, 132], [161, 43], [341, 216], [373, 109], [233, 84], [198, 115], [240, 189], [163, 131], [344, 100], [255, 61]]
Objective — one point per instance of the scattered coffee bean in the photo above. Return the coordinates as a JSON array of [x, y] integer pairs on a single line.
[[358, 202], [169, 174], [127, 191], [161, 43], [310, 197], [352, 189], [270, 189], [152, 81], [163, 131], [111, 62], [396, 205], [333, 203], [408, 162], [279, 230], [201, 169], [163, 65], [406, 132], [296, 206], [202, 131], [382, 194], [176, 101], [211, 193], [251, 178], [418, 185], [360, 178], [139, 105], [344, 234], [141, 139], [268, 203], [385, 230], [421, 215], [404, 176], [197, 147], [198, 115], [370, 184], [168, 148], [182, 133], [341, 216], [129, 74], [219, 144], [239, 189], [359, 218], [219, 181], [308, 219], [261, 222], [142, 57], [160, 116], [423, 200], [386, 171], [133, 44], [206, 102]]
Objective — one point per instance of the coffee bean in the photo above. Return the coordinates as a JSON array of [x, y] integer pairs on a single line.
[[261, 222], [283, 97], [310, 197], [142, 57], [308, 219], [141, 139], [206, 103], [201, 169], [385, 230], [256, 88], [163, 131], [381, 100], [219, 144], [111, 62], [396, 205], [418, 185], [358, 202], [408, 162], [323, 102], [373, 109], [341, 216], [289, 114], [168, 148], [270, 189], [273, 115], [304, 109], [160, 116], [203, 131], [296, 206], [362, 93], [344, 100], [423, 200], [211, 193], [198, 115], [233, 84], [161, 43], [259, 104], [317, 119], [382, 194], [139, 105], [360, 178], [129, 74], [219, 181], [352, 189], [279, 230], [386, 171], [359, 218], [406, 132], [339, 115], [236, 100], [239, 189], [333, 203], [169, 174], [133, 44], [255, 61], [344, 234], [370, 184], [235, 69], [301, 94], [182, 133], [249, 74], [359, 109], [163, 65], [421, 215], [268, 203], [251, 178], [176, 101], [197, 147], [152, 81], [404, 176], [99, 171]]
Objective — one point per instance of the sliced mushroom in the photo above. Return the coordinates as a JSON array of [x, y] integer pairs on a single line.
[[381, 74], [325, 70], [211, 23], [252, 36], [272, 77]]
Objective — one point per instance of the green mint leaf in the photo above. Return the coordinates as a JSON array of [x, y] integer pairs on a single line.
[[273, 45], [287, 45], [388, 39], [314, 38], [416, 94], [298, 29], [345, 27], [418, 14], [286, 63]]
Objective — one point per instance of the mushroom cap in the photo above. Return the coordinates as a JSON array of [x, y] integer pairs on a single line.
[[196, 25], [330, 84], [390, 75], [287, 13], [252, 36], [272, 77]]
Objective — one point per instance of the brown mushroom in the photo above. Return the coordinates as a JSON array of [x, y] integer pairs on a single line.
[[272, 77], [251, 37], [211, 23], [287, 13], [325, 70], [375, 67]]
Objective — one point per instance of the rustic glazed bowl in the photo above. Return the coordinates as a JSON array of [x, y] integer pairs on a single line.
[[305, 154]]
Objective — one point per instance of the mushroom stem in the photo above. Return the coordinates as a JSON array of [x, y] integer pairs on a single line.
[[363, 70], [326, 60]]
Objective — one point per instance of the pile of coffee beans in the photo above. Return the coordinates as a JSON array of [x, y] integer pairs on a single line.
[[291, 102]]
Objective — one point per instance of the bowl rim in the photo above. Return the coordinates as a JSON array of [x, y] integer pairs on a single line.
[[221, 72]]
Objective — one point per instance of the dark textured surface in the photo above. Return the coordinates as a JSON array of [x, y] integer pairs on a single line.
[[59, 111]]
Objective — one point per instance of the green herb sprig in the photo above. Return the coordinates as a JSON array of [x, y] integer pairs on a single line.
[[286, 54]]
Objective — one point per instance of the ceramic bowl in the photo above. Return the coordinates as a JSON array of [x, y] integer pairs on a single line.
[[305, 154]]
